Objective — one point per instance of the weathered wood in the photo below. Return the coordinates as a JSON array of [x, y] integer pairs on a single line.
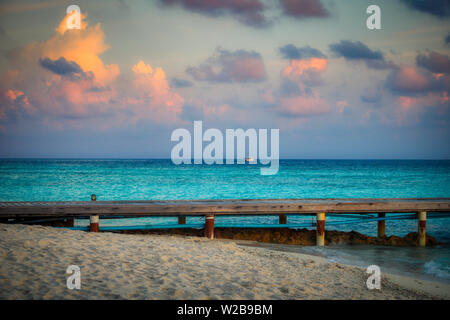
[[219, 207], [209, 226], [94, 222], [422, 228], [181, 220], [320, 229], [282, 219], [381, 225]]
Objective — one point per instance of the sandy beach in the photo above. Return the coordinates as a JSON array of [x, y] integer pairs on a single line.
[[34, 259]]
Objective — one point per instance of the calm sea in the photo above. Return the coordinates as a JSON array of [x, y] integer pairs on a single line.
[[75, 179]]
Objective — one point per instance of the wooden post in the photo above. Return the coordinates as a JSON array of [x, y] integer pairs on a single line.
[[422, 228], [381, 225], [181, 220], [93, 227], [94, 220], [209, 226], [320, 229], [282, 219]]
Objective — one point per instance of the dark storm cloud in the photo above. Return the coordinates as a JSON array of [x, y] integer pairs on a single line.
[[60, 66], [355, 51], [292, 52], [304, 8], [438, 8], [249, 12], [358, 51]]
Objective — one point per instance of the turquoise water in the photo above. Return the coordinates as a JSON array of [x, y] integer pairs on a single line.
[[44, 180], [72, 180]]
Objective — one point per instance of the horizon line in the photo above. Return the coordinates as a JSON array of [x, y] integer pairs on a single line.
[[224, 159]]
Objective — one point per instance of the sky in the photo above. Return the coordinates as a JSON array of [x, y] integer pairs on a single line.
[[137, 70]]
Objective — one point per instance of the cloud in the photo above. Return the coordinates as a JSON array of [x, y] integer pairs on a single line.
[[248, 12], [414, 89], [447, 39], [63, 82], [180, 83], [15, 100], [437, 8], [434, 62], [153, 97], [304, 8], [290, 52], [61, 66], [409, 80], [226, 66], [297, 95], [358, 51], [355, 51], [433, 75], [429, 100], [302, 74]]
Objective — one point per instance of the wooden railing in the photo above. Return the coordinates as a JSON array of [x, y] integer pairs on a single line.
[[212, 208]]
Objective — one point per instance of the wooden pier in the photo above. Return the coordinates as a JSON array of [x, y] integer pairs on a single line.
[[22, 211]]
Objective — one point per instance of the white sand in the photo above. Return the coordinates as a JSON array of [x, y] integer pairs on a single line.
[[34, 259]]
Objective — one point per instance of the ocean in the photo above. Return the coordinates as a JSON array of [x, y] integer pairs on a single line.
[[158, 179]]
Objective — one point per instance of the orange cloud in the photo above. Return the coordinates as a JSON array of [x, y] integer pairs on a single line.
[[63, 25], [154, 93], [83, 46], [13, 94], [298, 67], [62, 96]]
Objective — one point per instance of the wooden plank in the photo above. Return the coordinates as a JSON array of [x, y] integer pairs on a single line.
[[220, 207]]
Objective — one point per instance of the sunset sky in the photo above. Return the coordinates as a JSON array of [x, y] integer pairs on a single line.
[[136, 70]]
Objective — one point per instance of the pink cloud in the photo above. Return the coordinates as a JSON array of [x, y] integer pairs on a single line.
[[298, 97], [304, 8], [409, 79], [430, 100]]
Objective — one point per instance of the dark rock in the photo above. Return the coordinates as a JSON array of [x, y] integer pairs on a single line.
[[297, 237]]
